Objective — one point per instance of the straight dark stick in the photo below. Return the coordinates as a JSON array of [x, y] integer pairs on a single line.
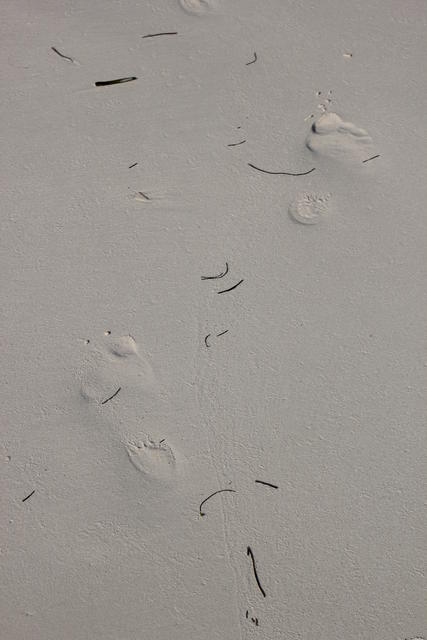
[[267, 483], [373, 158], [164, 33], [105, 83]]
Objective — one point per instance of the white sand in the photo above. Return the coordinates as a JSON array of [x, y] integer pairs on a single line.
[[318, 386]]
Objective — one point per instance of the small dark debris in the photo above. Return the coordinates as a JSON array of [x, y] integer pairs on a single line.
[[252, 61], [163, 33], [105, 83]]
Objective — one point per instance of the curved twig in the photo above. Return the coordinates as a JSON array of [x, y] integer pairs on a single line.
[[213, 494], [231, 288], [62, 55], [111, 397], [221, 275], [281, 173], [249, 553], [236, 144], [252, 61]]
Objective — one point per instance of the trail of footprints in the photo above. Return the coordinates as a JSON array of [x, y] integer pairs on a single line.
[[119, 364]]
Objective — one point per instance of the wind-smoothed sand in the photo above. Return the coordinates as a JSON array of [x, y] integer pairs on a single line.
[[213, 282]]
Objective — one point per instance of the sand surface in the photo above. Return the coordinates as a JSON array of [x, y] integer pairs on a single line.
[[125, 403]]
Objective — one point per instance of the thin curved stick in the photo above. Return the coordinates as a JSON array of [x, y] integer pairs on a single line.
[[221, 275], [62, 54], [281, 173], [111, 397], [231, 288], [254, 60], [249, 553], [213, 494], [236, 144]]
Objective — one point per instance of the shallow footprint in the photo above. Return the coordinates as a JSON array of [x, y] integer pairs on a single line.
[[124, 347], [119, 365], [198, 7], [332, 137], [153, 459], [309, 208]]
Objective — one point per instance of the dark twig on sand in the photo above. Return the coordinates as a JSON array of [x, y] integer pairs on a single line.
[[213, 494], [231, 288], [105, 83], [111, 397], [62, 55], [252, 61], [281, 173]]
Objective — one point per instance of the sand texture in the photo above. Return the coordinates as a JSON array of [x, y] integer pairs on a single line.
[[213, 320]]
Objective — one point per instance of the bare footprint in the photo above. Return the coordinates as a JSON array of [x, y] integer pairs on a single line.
[[152, 459], [124, 347], [309, 208], [198, 7], [330, 136], [116, 365]]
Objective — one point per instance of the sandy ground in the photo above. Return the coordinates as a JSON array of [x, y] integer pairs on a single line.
[[318, 385]]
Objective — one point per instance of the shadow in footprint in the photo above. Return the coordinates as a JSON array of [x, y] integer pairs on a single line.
[[331, 137]]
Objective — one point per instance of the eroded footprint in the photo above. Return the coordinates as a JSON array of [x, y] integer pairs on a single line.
[[198, 7], [309, 208], [332, 137], [124, 347], [151, 458], [117, 365], [98, 380]]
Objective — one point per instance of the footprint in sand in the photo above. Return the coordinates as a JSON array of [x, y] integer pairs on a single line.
[[118, 364], [153, 459], [123, 347], [309, 208], [198, 7], [331, 137]]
